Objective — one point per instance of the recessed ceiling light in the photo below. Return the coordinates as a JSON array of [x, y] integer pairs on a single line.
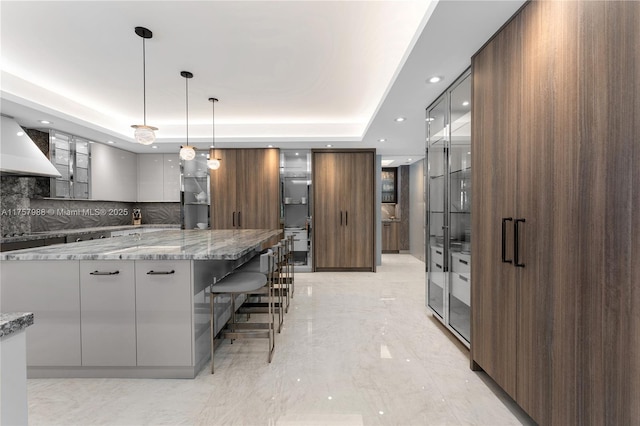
[[269, 146], [329, 145], [90, 141], [297, 153], [400, 119], [110, 142], [154, 147], [465, 103], [44, 121], [212, 146], [434, 79], [201, 155], [409, 160], [20, 133], [382, 140]]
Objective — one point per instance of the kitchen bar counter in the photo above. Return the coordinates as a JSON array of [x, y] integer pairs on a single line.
[[131, 306], [63, 233], [14, 322], [165, 245]]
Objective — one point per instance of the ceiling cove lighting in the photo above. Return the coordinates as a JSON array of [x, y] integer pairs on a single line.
[[144, 134], [213, 163], [187, 152]]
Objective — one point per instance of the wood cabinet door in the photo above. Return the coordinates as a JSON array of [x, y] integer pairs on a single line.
[[223, 190], [496, 88], [258, 199], [327, 206], [357, 195]]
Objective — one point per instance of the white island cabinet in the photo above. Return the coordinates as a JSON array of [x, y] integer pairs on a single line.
[[133, 306]]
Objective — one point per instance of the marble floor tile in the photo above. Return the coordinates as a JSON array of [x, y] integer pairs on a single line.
[[356, 349]]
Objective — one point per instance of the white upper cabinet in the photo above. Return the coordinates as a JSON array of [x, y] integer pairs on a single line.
[[113, 174], [158, 177]]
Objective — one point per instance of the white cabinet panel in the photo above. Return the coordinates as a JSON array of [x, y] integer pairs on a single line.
[[163, 306], [113, 174], [171, 177], [150, 177], [51, 290], [107, 297]]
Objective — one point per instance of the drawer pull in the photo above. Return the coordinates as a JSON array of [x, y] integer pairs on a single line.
[[463, 278], [464, 262], [104, 273], [161, 272], [439, 252], [439, 266]]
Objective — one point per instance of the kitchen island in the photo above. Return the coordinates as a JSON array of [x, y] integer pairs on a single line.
[[133, 306]]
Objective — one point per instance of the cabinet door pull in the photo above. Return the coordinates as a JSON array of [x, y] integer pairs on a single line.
[[104, 273], [504, 237], [340, 217], [346, 218], [463, 278], [439, 252], [239, 219], [439, 266], [516, 250], [464, 262], [234, 220], [161, 272]]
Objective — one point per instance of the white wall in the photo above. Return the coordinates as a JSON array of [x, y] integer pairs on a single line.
[[416, 210], [114, 174]]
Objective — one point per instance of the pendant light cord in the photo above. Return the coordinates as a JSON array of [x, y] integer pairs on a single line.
[[213, 124], [186, 82], [144, 83]]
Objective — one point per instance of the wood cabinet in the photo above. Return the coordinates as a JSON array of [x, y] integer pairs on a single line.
[[245, 189], [556, 311], [343, 227], [390, 237]]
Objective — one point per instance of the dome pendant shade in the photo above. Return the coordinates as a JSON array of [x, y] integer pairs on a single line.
[[213, 164], [144, 134]]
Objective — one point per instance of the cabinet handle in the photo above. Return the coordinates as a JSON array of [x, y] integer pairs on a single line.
[[78, 239], [438, 252], [340, 217], [104, 273], [102, 236], [504, 237], [346, 218], [161, 272], [239, 219], [464, 262], [516, 251], [439, 266], [234, 220], [465, 279]]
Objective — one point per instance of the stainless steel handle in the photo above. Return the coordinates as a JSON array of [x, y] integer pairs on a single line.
[[104, 273], [439, 252], [439, 266], [465, 279], [161, 272], [239, 219], [463, 261]]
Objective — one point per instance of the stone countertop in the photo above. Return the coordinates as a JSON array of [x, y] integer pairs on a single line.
[[80, 231], [14, 322], [168, 245]]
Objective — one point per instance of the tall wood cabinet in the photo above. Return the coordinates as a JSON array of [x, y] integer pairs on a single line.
[[245, 189], [343, 210], [555, 296]]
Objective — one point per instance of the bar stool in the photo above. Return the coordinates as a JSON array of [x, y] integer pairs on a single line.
[[259, 306], [247, 283]]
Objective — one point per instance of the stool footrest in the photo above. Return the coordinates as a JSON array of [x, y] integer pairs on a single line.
[[248, 326], [247, 334]]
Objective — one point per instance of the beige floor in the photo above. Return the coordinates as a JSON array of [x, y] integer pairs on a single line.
[[357, 349]]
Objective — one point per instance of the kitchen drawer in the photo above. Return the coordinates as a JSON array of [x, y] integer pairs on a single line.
[[436, 255], [461, 263], [436, 274], [461, 287]]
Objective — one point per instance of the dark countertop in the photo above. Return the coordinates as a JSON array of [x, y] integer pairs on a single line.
[[14, 322], [82, 231]]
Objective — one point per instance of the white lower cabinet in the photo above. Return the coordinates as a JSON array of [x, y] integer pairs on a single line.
[[163, 306], [50, 290], [108, 313]]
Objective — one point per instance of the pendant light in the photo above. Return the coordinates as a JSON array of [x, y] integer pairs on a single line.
[[187, 152], [213, 163], [143, 133]]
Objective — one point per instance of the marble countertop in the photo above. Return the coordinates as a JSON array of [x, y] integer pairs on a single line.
[[80, 231], [14, 322], [167, 245]]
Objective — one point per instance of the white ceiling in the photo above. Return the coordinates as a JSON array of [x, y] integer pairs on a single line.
[[294, 74]]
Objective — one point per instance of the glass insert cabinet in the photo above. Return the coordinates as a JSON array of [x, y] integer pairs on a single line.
[[448, 218]]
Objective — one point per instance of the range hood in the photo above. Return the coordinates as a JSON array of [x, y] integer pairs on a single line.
[[19, 155]]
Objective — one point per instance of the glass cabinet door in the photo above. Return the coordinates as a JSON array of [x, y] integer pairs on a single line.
[[459, 291], [437, 220], [448, 218]]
